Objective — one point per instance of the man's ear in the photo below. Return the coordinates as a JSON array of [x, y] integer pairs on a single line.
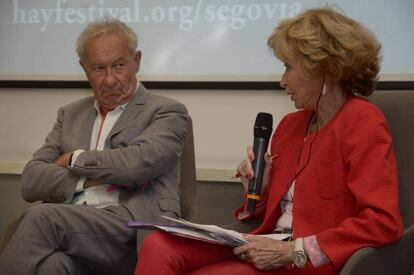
[[137, 60]]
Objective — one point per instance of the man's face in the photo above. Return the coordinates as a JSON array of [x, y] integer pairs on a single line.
[[111, 68]]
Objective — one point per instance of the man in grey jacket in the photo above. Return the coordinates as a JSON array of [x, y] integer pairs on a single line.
[[109, 159]]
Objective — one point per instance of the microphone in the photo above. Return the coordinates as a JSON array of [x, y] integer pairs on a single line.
[[262, 132]]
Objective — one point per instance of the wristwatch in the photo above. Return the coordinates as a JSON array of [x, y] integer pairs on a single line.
[[299, 258]]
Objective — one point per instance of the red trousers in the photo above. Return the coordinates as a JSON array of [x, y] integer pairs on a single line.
[[162, 254]]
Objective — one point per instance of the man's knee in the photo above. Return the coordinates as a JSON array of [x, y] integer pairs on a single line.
[[42, 211], [42, 215], [60, 263]]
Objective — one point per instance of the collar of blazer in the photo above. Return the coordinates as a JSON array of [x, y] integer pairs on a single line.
[[132, 110]]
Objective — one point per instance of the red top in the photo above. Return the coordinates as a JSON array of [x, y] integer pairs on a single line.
[[347, 194]]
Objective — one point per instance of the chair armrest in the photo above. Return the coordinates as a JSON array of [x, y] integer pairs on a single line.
[[8, 233], [392, 259]]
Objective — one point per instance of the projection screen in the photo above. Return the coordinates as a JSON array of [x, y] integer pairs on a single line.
[[186, 40]]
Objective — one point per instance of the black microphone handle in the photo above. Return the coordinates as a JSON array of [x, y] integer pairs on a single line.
[[255, 184]]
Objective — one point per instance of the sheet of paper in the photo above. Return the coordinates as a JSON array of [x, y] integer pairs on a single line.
[[203, 232]]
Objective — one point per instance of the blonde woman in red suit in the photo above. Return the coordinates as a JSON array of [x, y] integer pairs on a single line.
[[332, 180]]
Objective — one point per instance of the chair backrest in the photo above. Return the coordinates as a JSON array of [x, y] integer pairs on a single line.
[[188, 176], [398, 108]]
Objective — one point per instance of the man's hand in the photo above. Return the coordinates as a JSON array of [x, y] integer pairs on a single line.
[[64, 160], [89, 183], [265, 253]]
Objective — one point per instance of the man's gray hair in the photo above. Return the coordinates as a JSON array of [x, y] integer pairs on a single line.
[[104, 27]]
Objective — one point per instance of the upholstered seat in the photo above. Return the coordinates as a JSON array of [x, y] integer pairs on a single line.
[[398, 107], [188, 177]]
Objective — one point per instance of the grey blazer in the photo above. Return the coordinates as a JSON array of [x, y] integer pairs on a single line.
[[142, 153]]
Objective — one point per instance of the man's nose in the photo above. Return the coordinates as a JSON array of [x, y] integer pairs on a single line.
[[110, 79]]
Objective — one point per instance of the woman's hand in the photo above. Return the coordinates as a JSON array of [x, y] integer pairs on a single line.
[[245, 170], [265, 253]]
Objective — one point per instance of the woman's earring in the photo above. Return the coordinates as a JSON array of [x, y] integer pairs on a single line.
[[324, 90]]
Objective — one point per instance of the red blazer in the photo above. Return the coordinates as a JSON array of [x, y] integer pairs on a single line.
[[347, 192]]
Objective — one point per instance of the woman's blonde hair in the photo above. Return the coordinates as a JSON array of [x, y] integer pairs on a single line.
[[329, 43]]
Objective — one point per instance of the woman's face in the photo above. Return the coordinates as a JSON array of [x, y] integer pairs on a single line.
[[304, 92]]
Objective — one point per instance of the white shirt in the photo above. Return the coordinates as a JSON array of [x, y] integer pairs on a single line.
[[286, 219], [316, 255], [103, 195]]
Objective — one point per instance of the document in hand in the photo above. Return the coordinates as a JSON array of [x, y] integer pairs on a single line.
[[202, 232]]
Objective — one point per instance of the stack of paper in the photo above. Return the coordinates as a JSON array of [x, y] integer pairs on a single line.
[[203, 232]]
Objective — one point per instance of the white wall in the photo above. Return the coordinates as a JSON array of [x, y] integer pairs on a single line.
[[223, 123]]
